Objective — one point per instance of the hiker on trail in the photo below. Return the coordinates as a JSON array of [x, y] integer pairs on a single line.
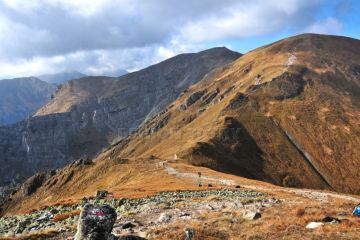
[[199, 179], [356, 211]]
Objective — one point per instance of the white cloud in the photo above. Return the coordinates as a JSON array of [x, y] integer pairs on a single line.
[[42, 36], [249, 18], [328, 26], [96, 62]]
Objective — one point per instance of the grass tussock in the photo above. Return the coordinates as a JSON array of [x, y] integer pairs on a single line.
[[63, 216]]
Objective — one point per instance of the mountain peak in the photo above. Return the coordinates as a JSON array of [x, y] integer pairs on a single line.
[[60, 78]]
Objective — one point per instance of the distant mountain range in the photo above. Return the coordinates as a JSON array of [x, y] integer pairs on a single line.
[[115, 73], [20, 97], [60, 78]]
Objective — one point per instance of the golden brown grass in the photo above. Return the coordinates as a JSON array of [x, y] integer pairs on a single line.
[[299, 212], [279, 161], [63, 216]]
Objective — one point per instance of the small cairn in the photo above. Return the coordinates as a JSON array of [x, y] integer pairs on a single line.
[[96, 223]]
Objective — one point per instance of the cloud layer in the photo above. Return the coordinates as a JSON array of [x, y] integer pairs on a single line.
[[95, 36]]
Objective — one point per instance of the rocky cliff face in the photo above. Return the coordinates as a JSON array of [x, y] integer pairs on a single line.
[[90, 113], [20, 97]]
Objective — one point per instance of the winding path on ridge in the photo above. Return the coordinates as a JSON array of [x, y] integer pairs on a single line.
[[317, 195]]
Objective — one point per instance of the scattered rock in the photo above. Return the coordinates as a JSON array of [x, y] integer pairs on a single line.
[[356, 70], [203, 109], [185, 215], [252, 215], [101, 193], [96, 223], [54, 211], [313, 225], [44, 218], [191, 100], [22, 225], [331, 220], [128, 225], [189, 233], [33, 183], [164, 218], [209, 97], [82, 162], [247, 69], [271, 201], [237, 101]]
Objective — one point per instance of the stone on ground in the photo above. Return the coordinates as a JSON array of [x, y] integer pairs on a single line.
[[252, 215], [96, 223]]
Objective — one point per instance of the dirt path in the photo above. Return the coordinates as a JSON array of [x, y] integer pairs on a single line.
[[312, 194]]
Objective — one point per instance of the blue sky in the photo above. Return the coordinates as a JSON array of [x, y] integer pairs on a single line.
[[49, 36], [347, 13]]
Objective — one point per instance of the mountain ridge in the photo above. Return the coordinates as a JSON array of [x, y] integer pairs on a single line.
[[87, 115], [276, 115], [60, 78]]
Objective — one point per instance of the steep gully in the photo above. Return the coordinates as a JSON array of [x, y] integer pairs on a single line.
[[305, 155]]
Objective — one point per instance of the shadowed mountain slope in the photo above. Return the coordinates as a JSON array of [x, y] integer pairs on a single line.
[[20, 97], [88, 114]]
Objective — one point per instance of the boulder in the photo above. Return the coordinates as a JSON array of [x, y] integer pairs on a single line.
[[165, 218], [331, 220], [101, 193], [191, 100], [33, 183], [313, 225], [252, 215], [128, 225], [96, 223], [22, 225], [355, 70], [189, 233]]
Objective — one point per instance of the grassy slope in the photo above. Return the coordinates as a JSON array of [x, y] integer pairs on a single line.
[[322, 117]]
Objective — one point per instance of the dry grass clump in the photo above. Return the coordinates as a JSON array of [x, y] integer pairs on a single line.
[[44, 234], [299, 212], [63, 216], [203, 230]]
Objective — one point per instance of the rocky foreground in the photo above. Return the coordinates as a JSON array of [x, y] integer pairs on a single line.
[[136, 216], [209, 213]]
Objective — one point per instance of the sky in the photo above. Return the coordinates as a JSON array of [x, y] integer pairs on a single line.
[[49, 36]]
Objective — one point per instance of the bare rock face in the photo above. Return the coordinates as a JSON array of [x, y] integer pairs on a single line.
[[33, 183], [96, 223], [88, 115]]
